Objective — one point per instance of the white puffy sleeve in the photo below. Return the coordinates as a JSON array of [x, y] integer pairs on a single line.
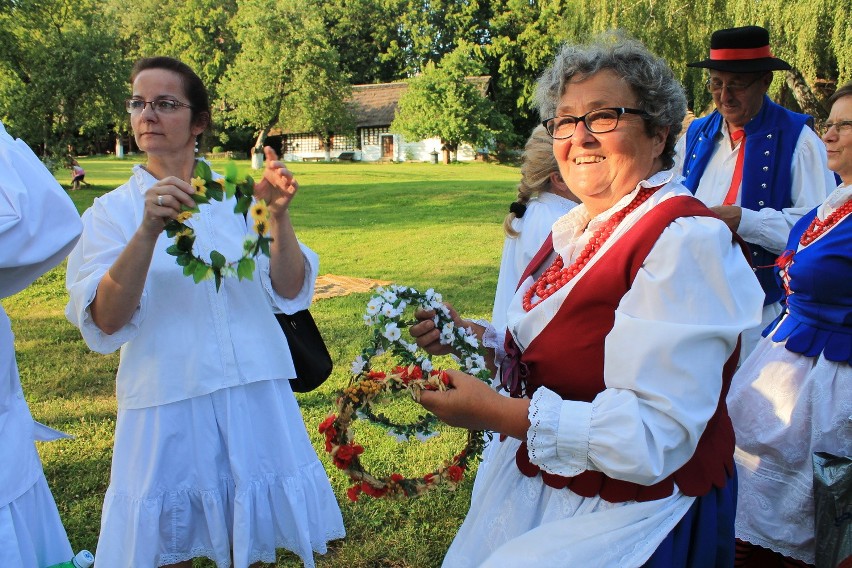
[[303, 298], [38, 222], [102, 242]]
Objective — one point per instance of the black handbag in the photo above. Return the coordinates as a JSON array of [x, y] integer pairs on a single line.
[[310, 355]]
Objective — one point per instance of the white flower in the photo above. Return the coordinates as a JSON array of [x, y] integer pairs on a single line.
[[426, 365], [392, 332], [412, 347], [471, 340], [380, 351], [448, 327], [446, 338], [369, 320], [380, 290], [430, 293], [388, 310], [358, 365], [402, 305], [374, 305], [389, 296]]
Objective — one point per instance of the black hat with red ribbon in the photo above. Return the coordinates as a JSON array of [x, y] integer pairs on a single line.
[[741, 50]]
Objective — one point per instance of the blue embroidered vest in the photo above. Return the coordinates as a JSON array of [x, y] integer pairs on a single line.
[[820, 305], [771, 138]]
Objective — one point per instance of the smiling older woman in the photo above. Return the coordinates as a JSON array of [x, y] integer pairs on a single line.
[[622, 339]]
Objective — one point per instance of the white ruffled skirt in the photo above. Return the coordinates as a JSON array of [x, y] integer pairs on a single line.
[[229, 472], [784, 407], [31, 532]]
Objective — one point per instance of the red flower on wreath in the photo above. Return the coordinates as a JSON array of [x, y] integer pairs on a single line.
[[345, 454], [376, 375], [372, 491], [455, 473], [353, 492], [327, 424]]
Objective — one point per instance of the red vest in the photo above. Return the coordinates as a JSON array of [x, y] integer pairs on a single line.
[[590, 307]]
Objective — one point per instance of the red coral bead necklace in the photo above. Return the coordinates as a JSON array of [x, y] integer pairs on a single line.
[[557, 275], [818, 227], [814, 230]]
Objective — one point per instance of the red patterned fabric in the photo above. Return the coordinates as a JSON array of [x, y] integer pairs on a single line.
[[591, 306]]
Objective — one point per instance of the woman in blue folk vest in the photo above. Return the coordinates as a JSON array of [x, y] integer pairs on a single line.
[[791, 397]]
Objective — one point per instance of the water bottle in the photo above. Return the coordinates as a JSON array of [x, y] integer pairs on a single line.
[[82, 559]]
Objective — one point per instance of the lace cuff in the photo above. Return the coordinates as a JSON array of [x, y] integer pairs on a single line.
[[491, 339], [558, 437]]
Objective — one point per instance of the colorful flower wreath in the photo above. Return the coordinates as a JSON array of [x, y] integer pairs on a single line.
[[414, 373], [207, 189]]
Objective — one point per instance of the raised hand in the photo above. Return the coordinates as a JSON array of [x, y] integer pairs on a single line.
[[278, 186]]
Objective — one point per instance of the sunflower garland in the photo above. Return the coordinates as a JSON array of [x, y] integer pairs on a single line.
[[208, 189], [413, 374]]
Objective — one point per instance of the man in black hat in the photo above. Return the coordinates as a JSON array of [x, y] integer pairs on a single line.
[[758, 165]]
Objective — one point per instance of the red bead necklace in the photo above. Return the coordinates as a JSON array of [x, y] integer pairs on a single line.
[[818, 227], [814, 230], [557, 275]]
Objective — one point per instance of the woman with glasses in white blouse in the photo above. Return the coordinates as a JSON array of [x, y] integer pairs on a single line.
[[211, 458]]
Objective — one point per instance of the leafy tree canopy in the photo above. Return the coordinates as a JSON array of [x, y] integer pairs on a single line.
[[286, 72]]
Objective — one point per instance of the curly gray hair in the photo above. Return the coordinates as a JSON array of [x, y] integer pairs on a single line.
[[652, 80]]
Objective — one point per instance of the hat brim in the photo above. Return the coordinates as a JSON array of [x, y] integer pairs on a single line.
[[743, 65]]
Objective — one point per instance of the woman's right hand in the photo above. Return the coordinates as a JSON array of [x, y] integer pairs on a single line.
[[163, 202], [428, 336]]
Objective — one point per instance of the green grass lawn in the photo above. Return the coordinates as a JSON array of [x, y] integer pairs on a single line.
[[420, 225]]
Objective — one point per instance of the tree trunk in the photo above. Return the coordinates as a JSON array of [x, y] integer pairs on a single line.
[[257, 152], [804, 95]]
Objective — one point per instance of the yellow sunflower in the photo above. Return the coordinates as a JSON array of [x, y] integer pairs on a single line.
[[260, 215], [198, 184], [183, 216]]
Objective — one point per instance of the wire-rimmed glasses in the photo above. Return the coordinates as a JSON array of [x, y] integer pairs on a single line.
[[160, 106]]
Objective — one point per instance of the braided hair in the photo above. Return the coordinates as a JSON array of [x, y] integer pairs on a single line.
[[537, 163]]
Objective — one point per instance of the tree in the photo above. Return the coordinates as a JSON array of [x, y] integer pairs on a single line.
[[293, 81], [196, 32], [440, 102], [51, 94], [372, 26], [524, 37], [431, 29]]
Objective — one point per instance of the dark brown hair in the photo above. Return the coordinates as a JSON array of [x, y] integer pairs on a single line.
[[193, 86]]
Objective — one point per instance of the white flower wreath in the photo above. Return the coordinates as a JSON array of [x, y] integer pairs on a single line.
[[414, 373]]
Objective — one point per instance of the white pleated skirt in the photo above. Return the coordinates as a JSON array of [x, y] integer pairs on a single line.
[[784, 407], [31, 532], [232, 472]]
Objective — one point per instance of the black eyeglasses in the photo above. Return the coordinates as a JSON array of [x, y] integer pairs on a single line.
[[160, 106], [715, 85], [597, 121]]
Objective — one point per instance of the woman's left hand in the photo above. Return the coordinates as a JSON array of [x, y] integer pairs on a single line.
[[278, 186]]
